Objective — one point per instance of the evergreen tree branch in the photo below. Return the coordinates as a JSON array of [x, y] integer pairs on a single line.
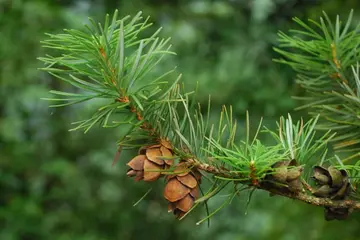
[[300, 196], [114, 62]]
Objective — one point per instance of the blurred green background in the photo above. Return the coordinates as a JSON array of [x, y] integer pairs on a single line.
[[56, 184]]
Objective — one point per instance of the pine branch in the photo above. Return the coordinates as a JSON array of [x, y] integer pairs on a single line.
[[175, 140], [301, 196]]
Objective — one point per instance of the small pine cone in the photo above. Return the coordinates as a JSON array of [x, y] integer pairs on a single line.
[[151, 160], [182, 189], [332, 183], [287, 175]]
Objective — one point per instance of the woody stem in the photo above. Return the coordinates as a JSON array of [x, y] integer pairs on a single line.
[[301, 196]]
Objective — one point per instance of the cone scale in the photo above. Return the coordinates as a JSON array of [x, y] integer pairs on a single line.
[[150, 161], [181, 190]]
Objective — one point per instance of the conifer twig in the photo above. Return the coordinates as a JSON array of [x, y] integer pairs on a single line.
[[300, 196], [113, 63]]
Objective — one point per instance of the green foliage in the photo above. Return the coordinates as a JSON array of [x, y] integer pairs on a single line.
[[326, 59], [104, 53], [60, 185], [300, 141]]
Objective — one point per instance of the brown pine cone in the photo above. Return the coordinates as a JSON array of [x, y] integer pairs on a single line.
[[332, 183], [182, 189], [151, 160]]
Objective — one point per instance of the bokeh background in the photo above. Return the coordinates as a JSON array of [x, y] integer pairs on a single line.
[[56, 184]]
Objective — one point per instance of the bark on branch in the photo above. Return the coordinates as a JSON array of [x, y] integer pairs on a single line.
[[301, 196]]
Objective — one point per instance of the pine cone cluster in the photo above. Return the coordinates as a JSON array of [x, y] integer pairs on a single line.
[[332, 183], [182, 184], [150, 161], [286, 174], [182, 189]]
